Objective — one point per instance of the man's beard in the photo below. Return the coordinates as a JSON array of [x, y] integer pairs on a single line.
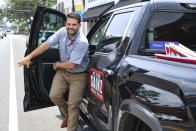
[[74, 32]]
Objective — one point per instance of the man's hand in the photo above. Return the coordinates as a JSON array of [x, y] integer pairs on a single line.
[[39, 50], [25, 61], [56, 66]]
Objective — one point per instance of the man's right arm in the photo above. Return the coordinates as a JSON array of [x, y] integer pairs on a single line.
[[39, 50]]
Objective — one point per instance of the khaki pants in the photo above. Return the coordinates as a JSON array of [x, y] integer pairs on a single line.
[[76, 83]]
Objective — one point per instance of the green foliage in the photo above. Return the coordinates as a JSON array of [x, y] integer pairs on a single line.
[[22, 18]]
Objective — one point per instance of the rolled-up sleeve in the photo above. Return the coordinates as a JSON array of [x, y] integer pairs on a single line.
[[54, 39], [78, 52]]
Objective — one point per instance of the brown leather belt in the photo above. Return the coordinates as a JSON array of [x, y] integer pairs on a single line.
[[77, 72]]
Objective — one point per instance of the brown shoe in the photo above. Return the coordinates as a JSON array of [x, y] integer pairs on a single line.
[[64, 124]]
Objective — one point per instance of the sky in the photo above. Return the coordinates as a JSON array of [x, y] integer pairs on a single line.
[[1, 1]]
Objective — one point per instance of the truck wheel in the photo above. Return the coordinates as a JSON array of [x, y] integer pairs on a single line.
[[132, 123]]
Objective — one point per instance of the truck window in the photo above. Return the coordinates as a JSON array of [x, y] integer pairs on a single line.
[[96, 38], [115, 31], [172, 27], [50, 24]]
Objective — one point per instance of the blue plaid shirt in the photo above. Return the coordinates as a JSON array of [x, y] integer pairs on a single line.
[[75, 50]]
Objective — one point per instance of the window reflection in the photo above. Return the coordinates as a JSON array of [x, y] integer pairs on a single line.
[[115, 32], [168, 26], [96, 38], [50, 24]]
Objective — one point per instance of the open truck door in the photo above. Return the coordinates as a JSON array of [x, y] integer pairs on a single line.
[[38, 77]]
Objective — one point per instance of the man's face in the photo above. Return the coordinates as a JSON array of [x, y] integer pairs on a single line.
[[72, 26]]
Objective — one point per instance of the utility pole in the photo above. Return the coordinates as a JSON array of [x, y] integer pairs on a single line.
[[73, 6]]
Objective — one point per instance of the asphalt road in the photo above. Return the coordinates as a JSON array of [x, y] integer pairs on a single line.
[[12, 92], [5, 83]]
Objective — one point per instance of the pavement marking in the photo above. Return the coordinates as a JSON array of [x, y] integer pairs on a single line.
[[13, 114]]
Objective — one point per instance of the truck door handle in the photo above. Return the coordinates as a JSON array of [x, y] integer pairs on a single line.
[[108, 72]]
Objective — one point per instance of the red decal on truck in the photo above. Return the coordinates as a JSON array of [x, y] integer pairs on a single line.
[[96, 83]]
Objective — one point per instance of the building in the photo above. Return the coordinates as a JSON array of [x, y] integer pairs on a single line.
[[67, 6], [91, 10]]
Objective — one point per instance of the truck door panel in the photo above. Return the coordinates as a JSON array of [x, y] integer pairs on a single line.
[[38, 77], [106, 58]]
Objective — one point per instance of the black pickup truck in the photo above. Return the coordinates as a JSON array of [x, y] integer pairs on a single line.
[[129, 89]]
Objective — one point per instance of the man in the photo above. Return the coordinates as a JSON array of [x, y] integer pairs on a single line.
[[71, 71]]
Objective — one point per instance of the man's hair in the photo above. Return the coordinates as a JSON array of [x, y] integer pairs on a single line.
[[74, 16]]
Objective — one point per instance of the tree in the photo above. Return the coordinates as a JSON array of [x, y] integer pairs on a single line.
[[24, 17]]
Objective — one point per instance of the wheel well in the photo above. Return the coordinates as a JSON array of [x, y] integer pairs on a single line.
[[130, 122]]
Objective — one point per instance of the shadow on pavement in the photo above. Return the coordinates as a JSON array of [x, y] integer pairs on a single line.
[[83, 125], [60, 117]]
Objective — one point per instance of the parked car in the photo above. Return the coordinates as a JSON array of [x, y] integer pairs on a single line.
[[8, 30], [16, 31], [1, 33], [129, 89], [44, 35], [4, 32]]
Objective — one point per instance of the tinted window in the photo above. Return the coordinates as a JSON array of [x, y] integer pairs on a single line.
[[50, 24], [48, 34], [115, 31], [174, 27], [98, 34]]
